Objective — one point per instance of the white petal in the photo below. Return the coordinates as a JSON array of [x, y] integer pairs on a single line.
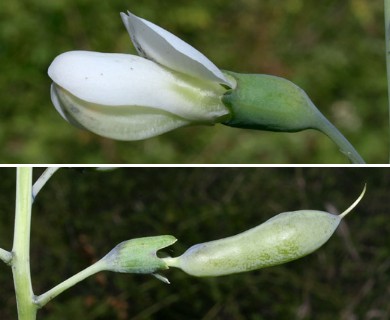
[[120, 123], [157, 44], [127, 80], [57, 103], [60, 107]]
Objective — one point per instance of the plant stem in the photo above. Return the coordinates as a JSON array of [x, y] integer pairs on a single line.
[[52, 293], [387, 33], [21, 246], [6, 256]]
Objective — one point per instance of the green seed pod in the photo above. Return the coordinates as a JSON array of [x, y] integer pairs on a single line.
[[285, 237]]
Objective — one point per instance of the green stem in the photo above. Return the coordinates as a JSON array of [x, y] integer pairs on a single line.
[[387, 32], [325, 126], [6, 256], [52, 293], [21, 246]]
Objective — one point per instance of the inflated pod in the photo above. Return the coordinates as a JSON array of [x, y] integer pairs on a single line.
[[285, 237]]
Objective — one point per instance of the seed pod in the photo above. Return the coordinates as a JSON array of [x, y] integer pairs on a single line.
[[285, 237]]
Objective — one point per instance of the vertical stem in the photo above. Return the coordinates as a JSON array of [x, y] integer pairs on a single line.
[[387, 33], [21, 246]]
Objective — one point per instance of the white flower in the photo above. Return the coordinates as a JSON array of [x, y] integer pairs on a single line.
[[129, 97], [171, 85]]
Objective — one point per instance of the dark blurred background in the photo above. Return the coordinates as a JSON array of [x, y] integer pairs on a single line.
[[333, 49], [80, 215]]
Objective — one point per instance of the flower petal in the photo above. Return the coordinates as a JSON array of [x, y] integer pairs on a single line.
[[120, 123], [157, 44], [126, 80]]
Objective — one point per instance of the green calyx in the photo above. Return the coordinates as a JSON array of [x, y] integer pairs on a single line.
[[138, 255], [269, 103]]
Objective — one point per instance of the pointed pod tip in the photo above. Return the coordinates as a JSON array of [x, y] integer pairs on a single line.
[[353, 205]]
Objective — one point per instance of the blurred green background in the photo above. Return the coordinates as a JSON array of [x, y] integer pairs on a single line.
[[80, 215], [333, 49]]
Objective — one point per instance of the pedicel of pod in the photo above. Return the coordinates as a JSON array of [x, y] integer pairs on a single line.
[[285, 237]]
